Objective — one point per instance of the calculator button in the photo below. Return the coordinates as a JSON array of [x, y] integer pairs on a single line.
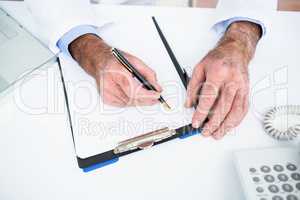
[[292, 197], [252, 170], [287, 188], [256, 179], [259, 189], [298, 186], [278, 168], [283, 177], [269, 178], [277, 198], [265, 169], [273, 188], [296, 176], [291, 167]]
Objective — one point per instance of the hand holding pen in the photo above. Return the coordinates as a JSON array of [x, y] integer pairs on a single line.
[[130, 68], [117, 86]]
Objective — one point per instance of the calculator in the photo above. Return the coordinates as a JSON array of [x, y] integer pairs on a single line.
[[269, 174]]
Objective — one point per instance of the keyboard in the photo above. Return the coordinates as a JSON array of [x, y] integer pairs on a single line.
[[269, 174]]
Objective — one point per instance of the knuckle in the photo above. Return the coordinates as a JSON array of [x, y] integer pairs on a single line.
[[200, 114], [197, 73], [205, 101], [193, 88], [231, 86], [211, 87], [192, 93], [216, 118], [230, 92], [221, 71]]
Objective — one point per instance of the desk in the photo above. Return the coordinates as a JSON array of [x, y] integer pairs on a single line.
[[36, 150]]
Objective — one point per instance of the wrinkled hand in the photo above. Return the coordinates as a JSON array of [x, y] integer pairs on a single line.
[[222, 80], [116, 85]]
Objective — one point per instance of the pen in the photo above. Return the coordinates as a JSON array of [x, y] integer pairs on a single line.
[[125, 63]]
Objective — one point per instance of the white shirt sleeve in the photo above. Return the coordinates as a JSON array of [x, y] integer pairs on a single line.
[[62, 21], [57, 17], [234, 12], [221, 27]]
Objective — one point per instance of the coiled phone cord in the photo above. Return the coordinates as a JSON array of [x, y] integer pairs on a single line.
[[292, 132]]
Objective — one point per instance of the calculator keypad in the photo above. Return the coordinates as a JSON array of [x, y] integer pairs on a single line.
[[277, 182]]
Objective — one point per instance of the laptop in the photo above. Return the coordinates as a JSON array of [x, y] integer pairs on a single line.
[[20, 52]]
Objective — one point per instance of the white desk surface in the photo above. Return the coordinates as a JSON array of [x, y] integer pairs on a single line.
[[36, 150]]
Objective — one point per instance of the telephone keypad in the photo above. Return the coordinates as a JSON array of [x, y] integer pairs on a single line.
[[277, 182]]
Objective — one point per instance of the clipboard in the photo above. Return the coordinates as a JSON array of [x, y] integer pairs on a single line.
[[140, 142]]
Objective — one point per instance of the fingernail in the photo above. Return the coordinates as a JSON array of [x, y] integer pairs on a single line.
[[205, 132], [187, 104], [196, 124]]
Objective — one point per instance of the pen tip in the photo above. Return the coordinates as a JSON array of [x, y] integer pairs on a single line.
[[167, 106]]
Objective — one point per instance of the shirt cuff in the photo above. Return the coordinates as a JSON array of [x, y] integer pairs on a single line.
[[67, 38], [222, 26]]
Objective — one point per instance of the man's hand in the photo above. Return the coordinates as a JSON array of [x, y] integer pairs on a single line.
[[223, 82], [116, 85]]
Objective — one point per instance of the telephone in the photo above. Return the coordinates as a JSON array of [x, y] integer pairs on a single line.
[[291, 132], [272, 173]]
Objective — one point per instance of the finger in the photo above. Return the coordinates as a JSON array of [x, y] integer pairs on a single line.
[[135, 91], [112, 100], [194, 85], [119, 93], [145, 102], [207, 98], [219, 112], [107, 85], [234, 117], [144, 94], [147, 72]]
